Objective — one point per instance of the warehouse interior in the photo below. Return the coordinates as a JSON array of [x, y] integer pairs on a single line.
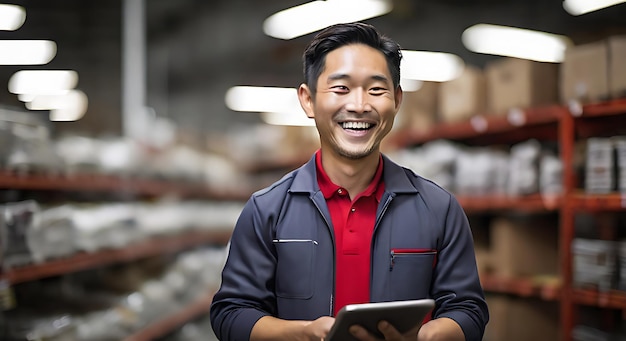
[[103, 234]]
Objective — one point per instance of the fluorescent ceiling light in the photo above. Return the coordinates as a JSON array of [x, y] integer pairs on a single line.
[[516, 42], [68, 107], [578, 7], [263, 99], [288, 119], [43, 82], [316, 15], [410, 85], [11, 17], [27, 52], [430, 66]]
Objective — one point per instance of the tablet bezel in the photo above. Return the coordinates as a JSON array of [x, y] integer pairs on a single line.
[[403, 315]]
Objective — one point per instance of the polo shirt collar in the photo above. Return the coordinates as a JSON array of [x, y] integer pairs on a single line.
[[329, 188]]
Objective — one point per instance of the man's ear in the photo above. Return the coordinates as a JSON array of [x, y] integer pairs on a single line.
[[398, 97], [306, 100]]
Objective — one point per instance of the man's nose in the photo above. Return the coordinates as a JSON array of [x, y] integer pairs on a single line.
[[358, 102]]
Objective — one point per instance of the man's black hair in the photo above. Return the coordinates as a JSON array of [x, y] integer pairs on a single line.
[[339, 35]]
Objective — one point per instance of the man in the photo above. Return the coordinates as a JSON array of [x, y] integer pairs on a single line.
[[349, 226]]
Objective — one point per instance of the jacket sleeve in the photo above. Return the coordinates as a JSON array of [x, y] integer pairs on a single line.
[[247, 288], [456, 285]]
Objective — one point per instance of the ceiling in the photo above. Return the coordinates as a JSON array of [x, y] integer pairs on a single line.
[[197, 49]]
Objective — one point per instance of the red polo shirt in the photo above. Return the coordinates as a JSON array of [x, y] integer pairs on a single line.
[[353, 224]]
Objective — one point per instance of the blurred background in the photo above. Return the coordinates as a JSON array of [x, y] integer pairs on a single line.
[[119, 189]]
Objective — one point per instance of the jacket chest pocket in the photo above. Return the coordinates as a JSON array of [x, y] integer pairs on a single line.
[[294, 271], [411, 272]]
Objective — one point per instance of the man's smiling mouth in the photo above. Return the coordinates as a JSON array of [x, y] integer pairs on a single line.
[[356, 125]]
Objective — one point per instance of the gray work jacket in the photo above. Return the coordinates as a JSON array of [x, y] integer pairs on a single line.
[[282, 256]]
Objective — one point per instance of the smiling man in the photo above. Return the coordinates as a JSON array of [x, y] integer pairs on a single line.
[[349, 226]]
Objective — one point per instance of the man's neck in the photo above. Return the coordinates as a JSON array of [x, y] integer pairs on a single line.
[[353, 175]]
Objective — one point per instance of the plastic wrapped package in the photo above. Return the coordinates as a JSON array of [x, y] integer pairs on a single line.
[[434, 161], [6, 143], [120, 157], [29, 327], [79, 153], [180, 163], [112, 324], [524, 168], [210, 215], [197, 330], [53, 235], [550, 174], [32, 151], [159, 300], [474, 173], [105, 226], [160, 219], [17, 220]]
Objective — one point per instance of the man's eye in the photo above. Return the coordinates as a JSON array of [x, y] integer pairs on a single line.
[[377, 91], [340, 88]]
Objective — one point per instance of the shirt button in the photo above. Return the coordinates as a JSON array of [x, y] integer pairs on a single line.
[[353, 209], [340, 191]]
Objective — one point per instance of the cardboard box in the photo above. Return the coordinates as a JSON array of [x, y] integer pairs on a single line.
[[617, 66], [519, 83], [584, 73], [464, 96], [523, 319], [524, 246], [418, 111]]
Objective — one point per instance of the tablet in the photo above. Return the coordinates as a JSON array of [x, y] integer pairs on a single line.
[[403, 315]]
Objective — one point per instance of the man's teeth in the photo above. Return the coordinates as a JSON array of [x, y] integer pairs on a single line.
[[355, 125]]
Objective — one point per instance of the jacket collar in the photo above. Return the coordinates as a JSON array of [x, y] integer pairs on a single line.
[[395, 178]]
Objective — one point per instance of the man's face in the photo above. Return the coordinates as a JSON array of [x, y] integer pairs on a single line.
[[355, 103]]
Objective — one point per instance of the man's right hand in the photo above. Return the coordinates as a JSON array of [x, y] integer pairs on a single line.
[[271, 328]]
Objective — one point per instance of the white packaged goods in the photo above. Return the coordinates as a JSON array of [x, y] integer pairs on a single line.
[[594, 264], [599, 177], [620, 155]]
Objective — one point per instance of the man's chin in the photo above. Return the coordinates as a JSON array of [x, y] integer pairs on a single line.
[[356, 153]]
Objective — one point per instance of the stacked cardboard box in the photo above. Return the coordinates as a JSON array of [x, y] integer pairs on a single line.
[[523, 319], [594, 71], [463, 97], [524, 246], [518, 83]]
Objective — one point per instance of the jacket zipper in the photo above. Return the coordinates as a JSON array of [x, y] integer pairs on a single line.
[[295, 241], [395, 253], [332, 235]]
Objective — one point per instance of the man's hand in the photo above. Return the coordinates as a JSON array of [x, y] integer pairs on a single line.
[[389, 331], [317, 330], [443, 329], [271, 328]]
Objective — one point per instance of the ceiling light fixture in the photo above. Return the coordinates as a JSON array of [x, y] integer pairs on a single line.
[[430, 66], [42, 82], [12, 17], [67, 107], [277, 106], [263, 99], [516, 42], [316, 15], [410, 85], [27, 52], [287, 119], [578, 7]]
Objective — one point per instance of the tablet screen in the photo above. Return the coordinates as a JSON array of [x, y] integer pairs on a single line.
[[403, 315]]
